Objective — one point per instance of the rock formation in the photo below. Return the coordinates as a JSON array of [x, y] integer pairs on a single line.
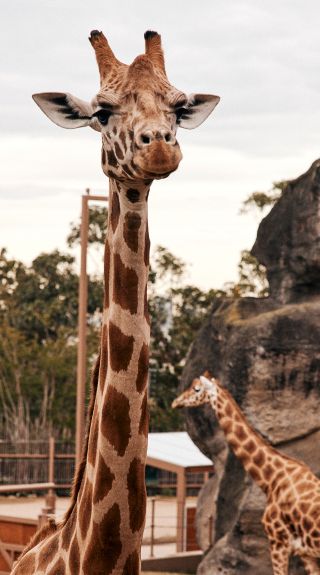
[[267, 353]]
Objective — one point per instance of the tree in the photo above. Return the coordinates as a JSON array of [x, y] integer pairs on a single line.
[[98, 216], [38, 328], [38, 343], [177, 312], [252, 278], [262, 200]]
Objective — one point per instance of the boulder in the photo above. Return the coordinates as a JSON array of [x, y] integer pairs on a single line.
[[266, 352]]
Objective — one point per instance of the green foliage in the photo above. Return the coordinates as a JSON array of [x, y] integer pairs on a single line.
[[252, 278], [262, 200], [38, 337], [163, 390], [97, 227], [38, 329], [177, 312]]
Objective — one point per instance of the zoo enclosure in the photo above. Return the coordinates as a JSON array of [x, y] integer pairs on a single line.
[[180, 468]]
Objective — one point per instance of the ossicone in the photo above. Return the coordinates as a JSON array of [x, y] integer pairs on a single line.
[[153, 49]]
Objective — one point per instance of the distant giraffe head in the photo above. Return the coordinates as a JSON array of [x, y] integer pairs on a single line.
[[202, 390], [136, 110]]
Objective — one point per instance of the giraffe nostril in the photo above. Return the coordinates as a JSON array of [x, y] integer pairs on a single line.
[[168, 137], [145, 139]]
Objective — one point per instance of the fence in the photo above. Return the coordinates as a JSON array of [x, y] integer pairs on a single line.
[[49, 465], [159, 539], [37, 462]]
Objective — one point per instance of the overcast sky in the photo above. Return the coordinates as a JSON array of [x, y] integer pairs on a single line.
[[261, 57]]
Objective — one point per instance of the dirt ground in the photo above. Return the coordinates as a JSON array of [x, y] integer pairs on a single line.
[[165, 519]]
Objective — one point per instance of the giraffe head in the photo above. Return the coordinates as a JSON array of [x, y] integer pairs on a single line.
[[202, 390], [136, 110]]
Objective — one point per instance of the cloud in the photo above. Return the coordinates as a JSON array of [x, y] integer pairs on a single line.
[[261, 58]]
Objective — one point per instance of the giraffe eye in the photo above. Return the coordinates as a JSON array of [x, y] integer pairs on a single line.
[[103, 116], [197, 389]]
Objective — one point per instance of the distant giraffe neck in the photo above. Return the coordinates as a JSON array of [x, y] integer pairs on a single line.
[[259, 459], [112, 499]]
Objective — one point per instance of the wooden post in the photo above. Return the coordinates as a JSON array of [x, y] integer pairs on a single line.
[[82, 328], [153, 504], [51, 496], [181, 503], [82, 323]]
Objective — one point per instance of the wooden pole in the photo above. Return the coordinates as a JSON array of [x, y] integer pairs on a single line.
[[82, 323], [153, 504], [181, 503], [51, 495], [82, 328]]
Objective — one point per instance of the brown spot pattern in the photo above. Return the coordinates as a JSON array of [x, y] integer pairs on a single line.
[[47, 552], [94, 429], [250, 446], [259, 458], [115, 424], [304, 506], [106, 274], [132, 564], [307, 524], [121, 348], [122, 137], [146, 308], [74, 557], [144, 418], [254, 473], [27, 564], [118, 151], [143, 368], [85, 508], [136, 494], [125, 285], [103, 481], [133, 195], [228, 410], [132, 223], [58, 568], [103, 357], [115, 211], [112, 160], [226, 424], [240, 433], [68, 529], [105, 544], [146, 247], [103, 156], [267, 471]]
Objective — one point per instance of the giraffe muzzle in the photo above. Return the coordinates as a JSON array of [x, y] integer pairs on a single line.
[[158, 159], [177, 403]]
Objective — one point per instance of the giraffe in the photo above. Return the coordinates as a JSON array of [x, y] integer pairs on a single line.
[[292, 514], [137, 112]]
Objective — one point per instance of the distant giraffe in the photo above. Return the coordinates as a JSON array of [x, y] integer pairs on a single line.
[[137, 112], [292, 515]]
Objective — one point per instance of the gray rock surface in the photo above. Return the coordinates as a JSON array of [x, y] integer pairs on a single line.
[[267, 353]]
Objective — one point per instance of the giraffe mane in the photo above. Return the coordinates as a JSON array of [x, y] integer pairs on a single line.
[[48, 529]]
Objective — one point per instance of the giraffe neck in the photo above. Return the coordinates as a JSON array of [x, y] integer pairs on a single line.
[[259, 459], [112, 499]]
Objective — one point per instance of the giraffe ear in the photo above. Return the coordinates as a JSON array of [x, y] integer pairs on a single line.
[[196, 111], [66, 110]]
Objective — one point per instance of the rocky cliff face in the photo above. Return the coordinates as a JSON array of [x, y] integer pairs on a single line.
[[267, 353]]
